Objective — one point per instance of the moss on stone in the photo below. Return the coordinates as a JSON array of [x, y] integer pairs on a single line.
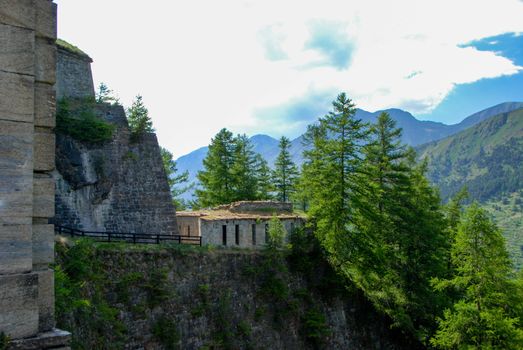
[[71, 48]]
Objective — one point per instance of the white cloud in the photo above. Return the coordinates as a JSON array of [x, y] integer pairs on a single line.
[[202, 65]]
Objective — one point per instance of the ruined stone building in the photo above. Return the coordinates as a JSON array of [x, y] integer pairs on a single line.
[[240, 224], [118, 185], [27, 146]]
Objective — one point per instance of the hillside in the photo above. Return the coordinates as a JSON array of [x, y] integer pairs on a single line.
[[488, 159], [415, 132]]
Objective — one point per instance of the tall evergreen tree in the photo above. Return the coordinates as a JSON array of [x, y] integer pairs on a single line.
[[138, 118], [330, 174], [243, 170], [482, 318], [285, 172], [217, 180], [177, 182], [264, 179]]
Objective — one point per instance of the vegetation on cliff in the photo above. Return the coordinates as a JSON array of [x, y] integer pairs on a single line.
[[77, 118], [115, 295]]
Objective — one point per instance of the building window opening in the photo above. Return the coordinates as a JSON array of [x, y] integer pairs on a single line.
[[237, 234], [224, 234], [253, 234]]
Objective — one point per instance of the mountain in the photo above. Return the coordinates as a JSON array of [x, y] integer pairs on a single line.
[[487, 159], [415, 132]]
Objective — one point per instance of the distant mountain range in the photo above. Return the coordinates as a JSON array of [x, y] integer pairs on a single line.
[[486, 158], [415, 133]]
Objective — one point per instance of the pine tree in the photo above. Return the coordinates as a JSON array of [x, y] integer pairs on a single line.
[[330, 174], [481, 318], [243, 170], [174, 179], [138, 118], [264, 179], [217, 180], [285, 172], [106, 95]]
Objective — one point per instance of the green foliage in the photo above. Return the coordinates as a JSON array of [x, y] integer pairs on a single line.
[[138, 119], [480, 318], [174, 179], [76, 304], [4, 341], [315, 327], [166, 331], [156, 288], [285, 172], [77, 118], [70, 47], [276, 234], [106, 95], [264, 179], [231, 172]]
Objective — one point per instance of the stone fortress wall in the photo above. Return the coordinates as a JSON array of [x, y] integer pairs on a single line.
[[27, 143], [118, 186]]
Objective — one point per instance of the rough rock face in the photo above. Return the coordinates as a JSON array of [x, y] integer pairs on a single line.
[[175, 299], [117, 186]]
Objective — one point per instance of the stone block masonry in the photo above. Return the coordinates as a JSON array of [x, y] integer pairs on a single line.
[[27, 109], [118, 186]]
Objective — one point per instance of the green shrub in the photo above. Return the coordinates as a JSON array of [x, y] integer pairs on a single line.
[[315, 327], [167, 333], [4, 341], [77, 118]]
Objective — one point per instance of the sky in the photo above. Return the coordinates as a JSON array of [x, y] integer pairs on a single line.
[[274, 66]]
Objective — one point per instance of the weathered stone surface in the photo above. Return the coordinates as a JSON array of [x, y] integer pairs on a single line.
[[15, 249], [55, 339], [74, 77], [115, 186], [45, 300], [16, 172], [44, 151], [16, 97], [19, 305], [43, 245], [45, 60], [45, 25], [16, 49], [19, 13], [43, 196], [45, 105]]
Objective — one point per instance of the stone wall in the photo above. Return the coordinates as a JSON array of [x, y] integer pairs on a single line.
[[259, 206], [27, 106], [224, 299], [212, 231], [118, 186], [73, 74]]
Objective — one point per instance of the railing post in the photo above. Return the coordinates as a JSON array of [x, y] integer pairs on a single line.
[[157, 239], [200, 241], [109, 236], [134, 237], [179, 239]]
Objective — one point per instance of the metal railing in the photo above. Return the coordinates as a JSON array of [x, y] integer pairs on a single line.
[[128, 237]]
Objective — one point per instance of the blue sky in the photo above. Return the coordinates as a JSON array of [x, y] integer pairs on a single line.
[[274, 66]]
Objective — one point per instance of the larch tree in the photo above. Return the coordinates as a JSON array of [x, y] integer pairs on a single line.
[[482, 318], [243, 170], [285, 173], [265, 188], [177, 182], [138, 119], [217, 179]]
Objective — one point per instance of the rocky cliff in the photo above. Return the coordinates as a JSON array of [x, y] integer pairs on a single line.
[[183, 297], [115, 185], [118, 186]]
